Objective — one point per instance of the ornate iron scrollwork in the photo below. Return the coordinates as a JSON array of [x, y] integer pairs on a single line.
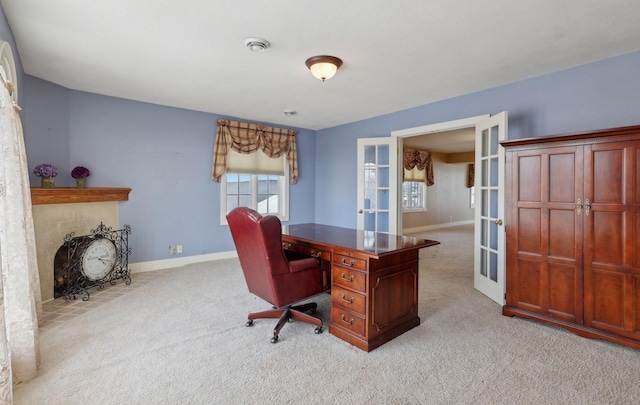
[[69, 280]]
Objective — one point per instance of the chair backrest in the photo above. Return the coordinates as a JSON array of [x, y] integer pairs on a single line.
[[258, 242]]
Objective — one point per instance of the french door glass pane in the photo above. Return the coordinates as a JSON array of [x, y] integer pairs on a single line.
[[493, 235], [494, 140], [483, 262], [369, 221], [376, 190], [370, 154], [493, 269], [383, 155], [383, 222]]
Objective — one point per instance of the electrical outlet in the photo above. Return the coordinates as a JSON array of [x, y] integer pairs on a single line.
[[172, 249], [178, 248]]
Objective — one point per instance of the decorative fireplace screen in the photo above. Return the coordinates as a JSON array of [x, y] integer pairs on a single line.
[[88, 261]]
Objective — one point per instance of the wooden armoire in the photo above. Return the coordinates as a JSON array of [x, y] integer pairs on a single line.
[[573, 232]]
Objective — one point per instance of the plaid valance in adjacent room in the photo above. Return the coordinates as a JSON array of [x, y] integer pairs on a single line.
[[418, 166]]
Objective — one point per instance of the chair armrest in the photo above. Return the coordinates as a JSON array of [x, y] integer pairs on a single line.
[[304, 265]]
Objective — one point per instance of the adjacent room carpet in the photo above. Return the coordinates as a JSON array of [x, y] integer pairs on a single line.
[[181, 339]]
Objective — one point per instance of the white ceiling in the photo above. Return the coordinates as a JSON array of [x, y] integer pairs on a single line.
[[396, 54]]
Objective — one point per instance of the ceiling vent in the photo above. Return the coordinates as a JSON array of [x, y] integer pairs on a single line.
[[256, 44]]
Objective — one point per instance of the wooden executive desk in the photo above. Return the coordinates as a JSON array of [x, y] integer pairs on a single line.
[[374, 279]]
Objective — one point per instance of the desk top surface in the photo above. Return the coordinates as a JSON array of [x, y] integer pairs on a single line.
[[365, 241]]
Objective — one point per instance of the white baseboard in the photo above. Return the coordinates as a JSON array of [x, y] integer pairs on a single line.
[[436, 226], [142, 267]]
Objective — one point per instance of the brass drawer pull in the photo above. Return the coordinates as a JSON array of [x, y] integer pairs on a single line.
[[316, 254], [344, 298], [350, 279], [351, 263], [349, 322]]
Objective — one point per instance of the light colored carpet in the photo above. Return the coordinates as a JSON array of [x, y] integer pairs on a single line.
[[181, 339]]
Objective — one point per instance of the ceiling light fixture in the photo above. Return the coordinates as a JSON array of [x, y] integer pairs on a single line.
[[256, 44], [323, 67]]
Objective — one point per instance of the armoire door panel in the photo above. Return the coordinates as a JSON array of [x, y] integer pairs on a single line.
[[607, 238], [636, 177], [530, 285], [608, 176], [529, 171], [529, 230], [608, 300], [562, 178], [636, 304], [635, 242], [562, 234], [565, 301]]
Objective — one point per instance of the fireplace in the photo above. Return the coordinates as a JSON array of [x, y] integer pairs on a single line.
[[59, 211]]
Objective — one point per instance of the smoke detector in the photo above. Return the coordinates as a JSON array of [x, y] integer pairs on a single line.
[[256, 44]]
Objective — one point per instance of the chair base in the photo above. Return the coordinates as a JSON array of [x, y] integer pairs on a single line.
[[285, 314]]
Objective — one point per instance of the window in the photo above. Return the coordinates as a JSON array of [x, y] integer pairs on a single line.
[[267, 194], [414, 196]]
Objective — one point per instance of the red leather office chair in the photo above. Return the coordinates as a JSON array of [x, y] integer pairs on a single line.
[[269, 274]]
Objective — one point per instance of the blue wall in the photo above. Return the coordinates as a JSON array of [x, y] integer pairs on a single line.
[[46, 127], [603, 94], [165, 154]]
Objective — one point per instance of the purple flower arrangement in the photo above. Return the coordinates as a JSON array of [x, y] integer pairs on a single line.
[[45, 170], [80, 172]]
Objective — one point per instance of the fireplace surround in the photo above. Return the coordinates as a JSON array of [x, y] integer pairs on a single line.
[[59, 211]]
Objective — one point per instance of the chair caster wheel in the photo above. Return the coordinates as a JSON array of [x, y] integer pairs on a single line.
[[249, 322], [318, 330], [274, 339]]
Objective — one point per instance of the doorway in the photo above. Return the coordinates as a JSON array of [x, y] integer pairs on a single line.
[[489, 209], [446, 138]]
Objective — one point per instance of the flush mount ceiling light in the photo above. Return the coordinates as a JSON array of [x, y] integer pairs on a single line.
[[323, 67], [256, 44]]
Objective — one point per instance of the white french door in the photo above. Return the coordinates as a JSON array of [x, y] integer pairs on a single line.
[[489, 240], [378, 184]]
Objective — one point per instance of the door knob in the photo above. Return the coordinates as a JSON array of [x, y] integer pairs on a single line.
[[498, 222], [359, 211]]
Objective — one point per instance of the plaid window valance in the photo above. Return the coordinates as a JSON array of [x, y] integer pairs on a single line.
[[420, 160], [245, 138]]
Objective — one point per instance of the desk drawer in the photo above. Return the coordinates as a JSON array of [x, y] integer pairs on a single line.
[[348, 261], [347, 320], [346, 277], [307, 251], [348, 299]]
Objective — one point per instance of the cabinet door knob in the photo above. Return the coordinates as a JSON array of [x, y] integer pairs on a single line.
[[587, 207], [579, 207]]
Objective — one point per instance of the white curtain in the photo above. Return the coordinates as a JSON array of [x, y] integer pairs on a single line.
[[19, 286]]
